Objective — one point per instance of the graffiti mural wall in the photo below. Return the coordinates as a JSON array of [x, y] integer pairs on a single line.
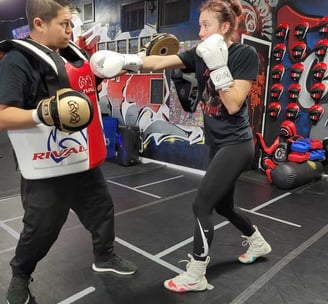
[[169, 133]]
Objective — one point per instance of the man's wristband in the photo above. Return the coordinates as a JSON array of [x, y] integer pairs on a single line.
[[36, 117]]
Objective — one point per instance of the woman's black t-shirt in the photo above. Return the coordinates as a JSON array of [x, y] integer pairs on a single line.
[[221, 128]]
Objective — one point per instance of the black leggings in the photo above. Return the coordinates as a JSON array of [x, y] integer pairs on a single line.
[[216, 192]]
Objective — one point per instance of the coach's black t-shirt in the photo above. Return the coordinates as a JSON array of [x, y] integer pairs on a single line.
[[221, 128], [21, 83]]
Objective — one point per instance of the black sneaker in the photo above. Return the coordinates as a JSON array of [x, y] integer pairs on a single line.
[[115, 264], [18, 292]]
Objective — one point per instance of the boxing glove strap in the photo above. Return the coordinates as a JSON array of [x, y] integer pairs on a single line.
[[132, 62], [222, 78]]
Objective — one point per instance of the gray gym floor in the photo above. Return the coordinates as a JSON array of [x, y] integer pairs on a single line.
[[154, 226]]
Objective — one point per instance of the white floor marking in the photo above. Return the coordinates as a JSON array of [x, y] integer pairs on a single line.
[[11, 231], [78, 295], [7, 249], [277, 198], [155, 202], [272, 218], [158, 182], [132, 188], [13, 219], [7, 198]]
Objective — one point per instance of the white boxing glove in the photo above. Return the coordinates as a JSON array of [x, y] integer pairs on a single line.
[[214, 52], [108, 64]]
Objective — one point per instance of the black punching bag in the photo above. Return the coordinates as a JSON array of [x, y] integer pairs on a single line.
[[289, 175], [128, 145]]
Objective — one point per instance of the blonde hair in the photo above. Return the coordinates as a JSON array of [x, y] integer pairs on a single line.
[[225, 11]]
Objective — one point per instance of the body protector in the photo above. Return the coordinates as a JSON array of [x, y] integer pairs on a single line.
[[43, 151]]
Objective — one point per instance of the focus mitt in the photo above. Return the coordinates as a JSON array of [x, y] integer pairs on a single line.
[[161, 44], [69, 111]]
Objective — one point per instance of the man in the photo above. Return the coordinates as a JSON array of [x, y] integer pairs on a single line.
[[48, 104]]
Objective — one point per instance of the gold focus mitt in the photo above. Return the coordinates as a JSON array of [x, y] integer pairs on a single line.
[[69, 110], [161, 44]]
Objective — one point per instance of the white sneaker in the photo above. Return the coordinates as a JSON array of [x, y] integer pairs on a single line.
[[257, 247], [191, 280]]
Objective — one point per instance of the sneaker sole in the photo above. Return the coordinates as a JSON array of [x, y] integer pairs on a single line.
[[255, 257], [26, 302], [184, 288], [103, 270]]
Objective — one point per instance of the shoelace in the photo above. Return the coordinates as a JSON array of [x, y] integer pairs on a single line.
[[186, 261], [246, 242], [195, 264]]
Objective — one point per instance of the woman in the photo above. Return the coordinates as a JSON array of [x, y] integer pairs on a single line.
[[225, 72]]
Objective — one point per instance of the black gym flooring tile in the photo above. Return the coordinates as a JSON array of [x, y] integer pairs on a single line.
[[154, 227]]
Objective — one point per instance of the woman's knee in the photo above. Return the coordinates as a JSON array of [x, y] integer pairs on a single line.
[[224, 211]]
